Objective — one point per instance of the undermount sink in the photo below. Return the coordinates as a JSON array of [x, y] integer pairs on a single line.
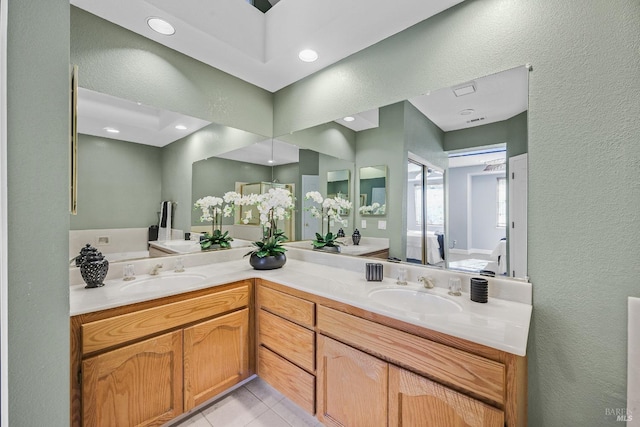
[[163, 283], [414, 301]]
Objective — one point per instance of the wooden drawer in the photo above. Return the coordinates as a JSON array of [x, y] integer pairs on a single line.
[[292, 308], [288, 379], [291, 341], [109, 332], [476, 374]]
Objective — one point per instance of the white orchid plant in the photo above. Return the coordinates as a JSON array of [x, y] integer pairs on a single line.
[[275, 205], [330, 209], [373, 209], [213, 209]]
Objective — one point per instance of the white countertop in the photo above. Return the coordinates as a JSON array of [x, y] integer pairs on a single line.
[[367, 245], [499, 324]]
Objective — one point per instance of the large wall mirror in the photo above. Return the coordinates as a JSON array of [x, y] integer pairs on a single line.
[[466, 137]]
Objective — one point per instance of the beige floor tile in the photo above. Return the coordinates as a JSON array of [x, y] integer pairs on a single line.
[[263, 391], [268, 419], [197, 420], [294, 415], [235, 410]]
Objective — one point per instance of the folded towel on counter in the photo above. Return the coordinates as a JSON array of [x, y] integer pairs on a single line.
[[164, 232]]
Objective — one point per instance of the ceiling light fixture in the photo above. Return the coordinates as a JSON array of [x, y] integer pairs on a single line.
[[160, 26], [308, 55], [467, 111], [349, 119], [111, 130], [181, 127], [465, 90]]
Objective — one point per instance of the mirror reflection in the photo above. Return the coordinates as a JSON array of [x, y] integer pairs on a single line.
[[373, 190], [339, 183], [409, 161]]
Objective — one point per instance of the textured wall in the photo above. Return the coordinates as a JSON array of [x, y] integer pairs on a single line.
[[119, 184], [584, 158], [38, 212]]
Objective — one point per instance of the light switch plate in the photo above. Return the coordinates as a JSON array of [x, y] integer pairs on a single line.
[[382, 225], [363, 223]]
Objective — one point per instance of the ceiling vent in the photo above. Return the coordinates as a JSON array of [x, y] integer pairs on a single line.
[[465, 89], [477, 119]]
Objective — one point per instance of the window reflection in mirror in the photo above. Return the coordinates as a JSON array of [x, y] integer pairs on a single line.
[[373, 190], [425, 214], [477, 206]]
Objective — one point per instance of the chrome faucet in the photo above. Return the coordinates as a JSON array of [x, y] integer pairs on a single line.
[[154, 270], [427, 282]]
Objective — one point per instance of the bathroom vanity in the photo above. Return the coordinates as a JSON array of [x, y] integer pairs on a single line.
[[313, 332]]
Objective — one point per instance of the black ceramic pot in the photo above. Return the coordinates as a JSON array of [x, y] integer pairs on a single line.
[[270, 262]]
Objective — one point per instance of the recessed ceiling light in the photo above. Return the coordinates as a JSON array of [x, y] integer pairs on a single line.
[[467, 111], [270, 161], [181, 127], [160, 26], [308, 55], [111, 130], [349, 119], [465, 90]]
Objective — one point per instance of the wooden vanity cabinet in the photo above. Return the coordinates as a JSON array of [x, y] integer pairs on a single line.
[[352, 386], [286, 343], [146, 363], [138, 384], [419, 402], [372, 374], [216, 356]]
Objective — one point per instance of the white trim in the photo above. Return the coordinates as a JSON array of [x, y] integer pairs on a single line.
[[4, 281]]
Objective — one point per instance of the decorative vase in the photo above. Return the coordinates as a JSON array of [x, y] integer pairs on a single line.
[[332, 249], [356, 237], [94, 272], [270, 262]]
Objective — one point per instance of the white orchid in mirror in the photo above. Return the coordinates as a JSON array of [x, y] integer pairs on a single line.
[[213, 209], [373, 209], [330, 211]]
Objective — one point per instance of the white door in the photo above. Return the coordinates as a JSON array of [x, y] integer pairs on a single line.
[[518, 216], [310, 225]]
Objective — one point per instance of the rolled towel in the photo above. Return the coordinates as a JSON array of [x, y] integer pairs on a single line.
[[164, 232]]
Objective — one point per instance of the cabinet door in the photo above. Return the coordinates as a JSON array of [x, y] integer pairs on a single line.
[[216, 356], [136, 385], [352, 386], [418, 402]]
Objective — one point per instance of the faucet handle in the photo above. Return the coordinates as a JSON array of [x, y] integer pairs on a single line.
[[427, 282]]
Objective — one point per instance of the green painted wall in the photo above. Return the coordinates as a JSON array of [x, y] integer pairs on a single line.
[[584, 157], [328, 138], [119, 184], [178, 157], [119, 62], [38, 212], [383, 145]]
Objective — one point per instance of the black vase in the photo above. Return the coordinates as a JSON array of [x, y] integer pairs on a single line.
[[94, 272], [270, 262]]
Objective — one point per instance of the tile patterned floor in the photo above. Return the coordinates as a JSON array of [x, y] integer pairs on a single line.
[[256, 404]]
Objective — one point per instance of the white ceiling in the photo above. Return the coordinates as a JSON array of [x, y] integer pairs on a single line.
[[135, 122], [260, 153], [262, 48], [497, 97]]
